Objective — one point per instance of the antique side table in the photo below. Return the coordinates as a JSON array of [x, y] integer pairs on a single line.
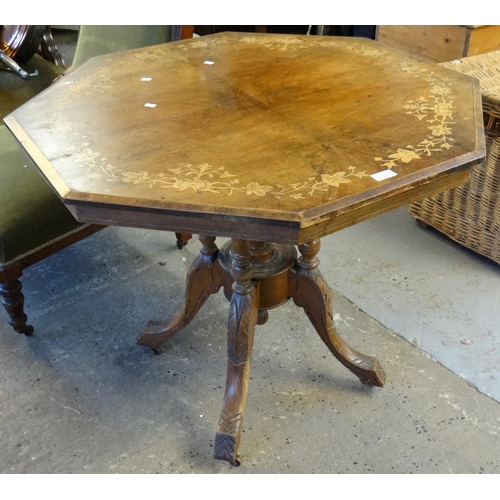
[[271, 140]]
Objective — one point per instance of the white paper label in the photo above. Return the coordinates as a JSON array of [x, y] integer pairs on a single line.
[[208, 62], [382, 176], [146, 79], [150, 105]]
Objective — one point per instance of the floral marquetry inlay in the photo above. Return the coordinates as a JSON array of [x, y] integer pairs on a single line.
[[437, 110], [207, 178], [433, 113]]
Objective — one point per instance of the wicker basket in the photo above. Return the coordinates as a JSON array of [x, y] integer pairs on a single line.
[[470, 214]]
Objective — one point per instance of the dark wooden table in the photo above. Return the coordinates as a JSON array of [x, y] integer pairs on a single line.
[[271, 140]]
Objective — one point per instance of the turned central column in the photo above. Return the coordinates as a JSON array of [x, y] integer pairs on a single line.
[[270, 263]]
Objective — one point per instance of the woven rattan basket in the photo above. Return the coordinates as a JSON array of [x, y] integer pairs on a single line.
[[470, 214]]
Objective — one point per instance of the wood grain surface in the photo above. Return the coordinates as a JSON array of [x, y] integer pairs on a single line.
[[258, 136]]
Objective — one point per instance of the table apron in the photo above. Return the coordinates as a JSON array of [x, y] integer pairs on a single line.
[[253, 228]]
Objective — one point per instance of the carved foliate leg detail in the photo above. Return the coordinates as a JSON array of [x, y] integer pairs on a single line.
[[225, 439], [242, 319], [310, 291], [13, 302], [205, 277]]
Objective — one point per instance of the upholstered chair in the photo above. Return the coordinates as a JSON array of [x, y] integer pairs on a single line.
[[34, 223]]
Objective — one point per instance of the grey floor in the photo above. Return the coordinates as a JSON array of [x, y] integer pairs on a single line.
[[80, 397], [434, 293]]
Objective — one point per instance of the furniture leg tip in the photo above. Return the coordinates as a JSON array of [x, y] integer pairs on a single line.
[[146, 338], [375, 377], [144, 341], [234, 462], [225, 449], [27, 330]]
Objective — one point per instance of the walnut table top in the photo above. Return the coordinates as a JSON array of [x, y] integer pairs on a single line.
[[268, 137]]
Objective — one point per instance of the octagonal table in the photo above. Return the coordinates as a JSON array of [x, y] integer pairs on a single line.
[[271, 140]]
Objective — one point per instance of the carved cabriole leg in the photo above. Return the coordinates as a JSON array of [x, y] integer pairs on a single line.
[[205, 277], [240, 331], [310, 291], [13, 302]]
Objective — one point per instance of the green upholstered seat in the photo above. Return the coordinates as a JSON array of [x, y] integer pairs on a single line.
[[31, 214], [34, 223], [14, 92]]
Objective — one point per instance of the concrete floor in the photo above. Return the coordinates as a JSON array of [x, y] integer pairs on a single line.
[[435, 293], [80, 397]]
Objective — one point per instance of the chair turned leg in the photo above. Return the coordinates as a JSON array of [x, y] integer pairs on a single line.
[[13, 301]]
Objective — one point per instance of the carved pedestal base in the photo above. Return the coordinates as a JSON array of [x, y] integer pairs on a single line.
[[256, 277]]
